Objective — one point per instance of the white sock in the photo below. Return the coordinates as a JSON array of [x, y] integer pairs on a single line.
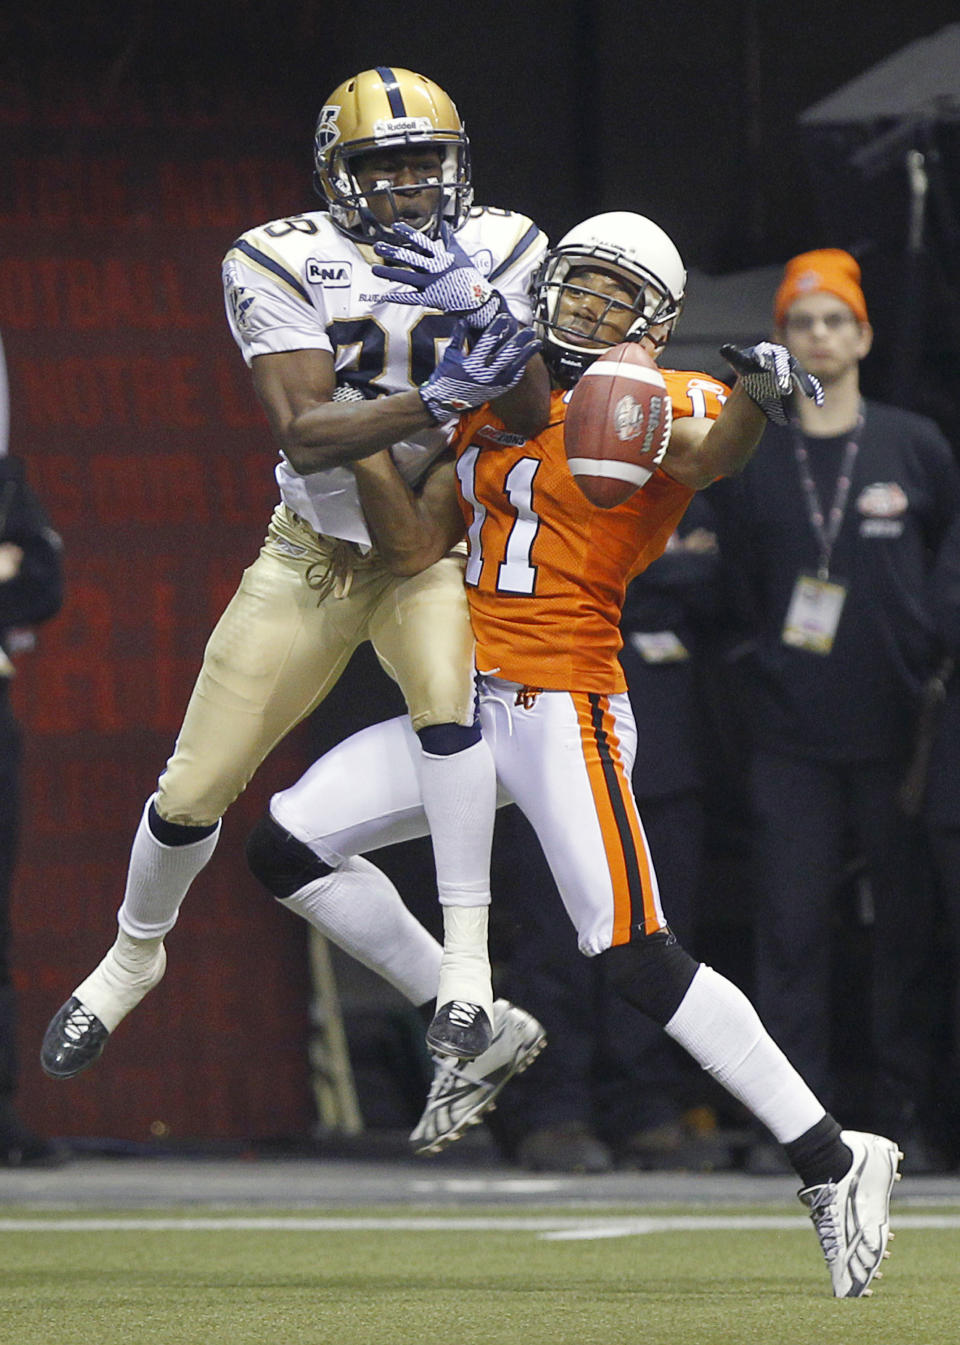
[[465, 969], [130, 969], [460, 801], [158, 879], [721, 1029], [358, 908]]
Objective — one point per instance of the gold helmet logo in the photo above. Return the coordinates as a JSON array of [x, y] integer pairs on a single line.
[[328, 132]]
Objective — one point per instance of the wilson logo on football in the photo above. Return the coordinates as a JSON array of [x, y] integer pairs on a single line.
[[632, 419]]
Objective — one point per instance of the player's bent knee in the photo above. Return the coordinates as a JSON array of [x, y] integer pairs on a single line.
[[281, 862], [653, 974], [444, 740]]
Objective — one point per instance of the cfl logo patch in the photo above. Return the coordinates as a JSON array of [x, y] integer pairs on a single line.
[[331, 275], [240, 301]]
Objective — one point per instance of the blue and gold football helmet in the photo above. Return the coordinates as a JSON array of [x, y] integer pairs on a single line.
[[388, 108]]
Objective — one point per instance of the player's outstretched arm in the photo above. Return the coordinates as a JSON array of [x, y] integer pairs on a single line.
[[297, 390], [768, 375], [411, 529], [316, 430]]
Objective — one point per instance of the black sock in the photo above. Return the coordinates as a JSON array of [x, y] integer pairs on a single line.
[[174, 833], [819, 1155]]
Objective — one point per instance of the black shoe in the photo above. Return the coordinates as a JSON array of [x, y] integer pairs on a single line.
[[21, 1148], [26, 1150], [74, 1039], [461, 1029]]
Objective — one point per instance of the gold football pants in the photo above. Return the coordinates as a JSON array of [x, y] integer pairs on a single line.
[[301, 610]]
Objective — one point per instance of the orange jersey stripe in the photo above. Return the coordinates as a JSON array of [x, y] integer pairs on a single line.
[[548, 570], [623, 840]]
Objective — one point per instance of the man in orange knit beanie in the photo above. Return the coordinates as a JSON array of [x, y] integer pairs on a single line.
[[830, 532], [826, 271]]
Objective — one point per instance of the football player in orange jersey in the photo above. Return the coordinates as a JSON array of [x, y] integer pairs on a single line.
[[545, 607]]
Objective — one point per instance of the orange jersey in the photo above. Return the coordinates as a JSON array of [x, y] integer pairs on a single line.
[[547, 571]]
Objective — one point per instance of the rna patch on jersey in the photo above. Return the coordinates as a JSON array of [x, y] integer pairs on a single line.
[[332, 275]]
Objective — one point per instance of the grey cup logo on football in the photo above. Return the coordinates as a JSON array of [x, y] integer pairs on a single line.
[[631, 420], [628, 418]]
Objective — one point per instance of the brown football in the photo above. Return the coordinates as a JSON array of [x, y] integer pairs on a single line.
[[618, 424]]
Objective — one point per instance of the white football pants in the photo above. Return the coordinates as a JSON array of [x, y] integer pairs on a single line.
[[565, 758]]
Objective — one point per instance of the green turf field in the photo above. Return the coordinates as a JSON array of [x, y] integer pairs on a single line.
[[486, 1277]]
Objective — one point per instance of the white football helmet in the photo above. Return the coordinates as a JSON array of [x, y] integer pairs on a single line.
[[627, 245]]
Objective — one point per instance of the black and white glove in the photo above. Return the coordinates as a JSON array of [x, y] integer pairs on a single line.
[[440, 275], [496, 363], [346, 392], [770, 375]]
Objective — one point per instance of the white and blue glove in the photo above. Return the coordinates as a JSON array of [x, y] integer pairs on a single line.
[[440, 275], [496, 363], [770, 375]]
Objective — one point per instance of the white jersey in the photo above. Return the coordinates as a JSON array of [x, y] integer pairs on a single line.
[[300, 284]]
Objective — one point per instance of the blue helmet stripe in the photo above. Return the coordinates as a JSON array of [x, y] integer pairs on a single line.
[[529, 237], [269, 264], [392, 90]]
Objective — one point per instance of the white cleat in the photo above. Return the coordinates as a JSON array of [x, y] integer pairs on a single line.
[[852, 1215], [463, 1091]]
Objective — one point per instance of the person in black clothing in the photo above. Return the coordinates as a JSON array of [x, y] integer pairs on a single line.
[[830, 533], [937, 791], [31, 590]]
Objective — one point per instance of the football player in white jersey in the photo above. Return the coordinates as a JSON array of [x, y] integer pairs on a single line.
[[348, 357]]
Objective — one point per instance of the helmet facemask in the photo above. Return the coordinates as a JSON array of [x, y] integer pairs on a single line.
[[350, 206], [654, 309]]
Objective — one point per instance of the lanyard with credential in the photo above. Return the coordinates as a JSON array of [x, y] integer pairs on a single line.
[[827, 529]]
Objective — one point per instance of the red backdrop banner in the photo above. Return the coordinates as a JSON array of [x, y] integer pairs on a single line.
[[132, 408]]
